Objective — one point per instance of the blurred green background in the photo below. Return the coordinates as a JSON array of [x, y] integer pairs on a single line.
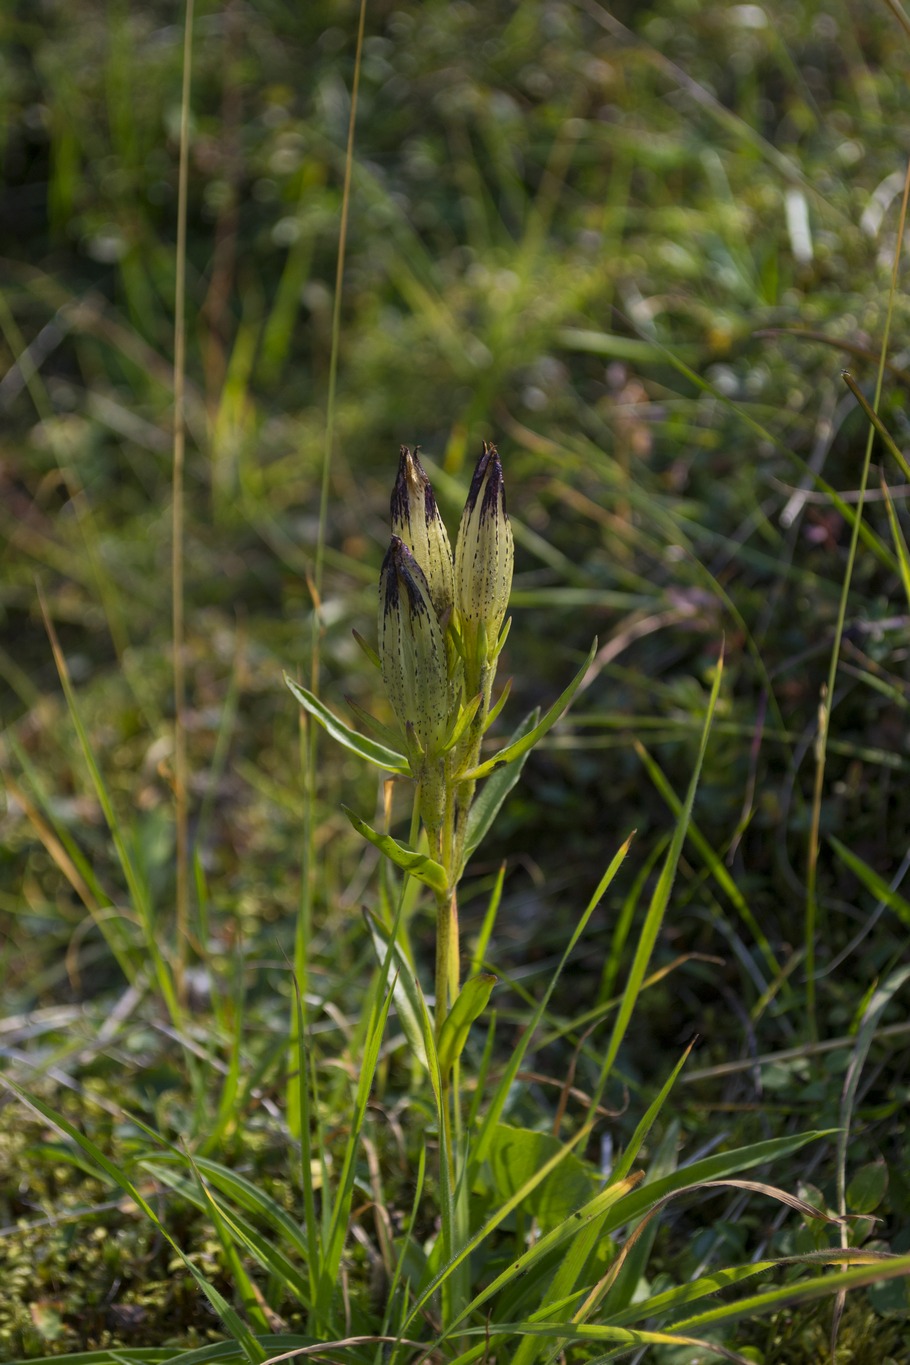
[[635, 245]]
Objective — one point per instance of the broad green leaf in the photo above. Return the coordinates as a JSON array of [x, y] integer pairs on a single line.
[[471, 1002], [488, 801], [867, 1187], [419, 865], [405, 992], [527, 742], [544, 1244], [516, 1153], [378, 754]]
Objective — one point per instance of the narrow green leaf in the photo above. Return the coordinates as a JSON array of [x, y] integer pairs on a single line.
[[405, 992], [900, 544], [229, 1234], [876, 421], [340, 1216], [471, 1002], [462, 721], [273, 1344], [636, 1142], [659, 900], [527, 742], [878, 1003], [706, 1287], [488, 801], [307, 1117], [384, 733], [495, 710], [501, 1093], [872, 881], [243, 1192], [419, 865], [715, 1167], [368, 650], [539, 1248], [713, 863], [479, 955], [802, 1291], [375, 753], [137, 884]]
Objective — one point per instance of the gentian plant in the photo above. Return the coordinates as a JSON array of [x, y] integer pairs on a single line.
[[442, 628]]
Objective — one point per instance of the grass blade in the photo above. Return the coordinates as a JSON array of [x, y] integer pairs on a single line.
[[659, 900]]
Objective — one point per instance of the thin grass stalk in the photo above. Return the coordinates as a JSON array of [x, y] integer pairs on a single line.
[[827, 700], [310, 735], [181, 765]]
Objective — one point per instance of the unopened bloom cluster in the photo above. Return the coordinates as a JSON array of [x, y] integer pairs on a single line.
[[441, 622]]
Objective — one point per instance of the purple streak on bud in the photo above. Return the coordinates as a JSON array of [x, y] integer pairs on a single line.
[[484, 552], [416, 521], [412, 649]]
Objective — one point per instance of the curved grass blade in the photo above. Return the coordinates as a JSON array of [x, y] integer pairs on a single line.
[[717, 1167]]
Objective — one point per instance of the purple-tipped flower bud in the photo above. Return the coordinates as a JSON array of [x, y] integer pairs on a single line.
[[412, 651], [484, 556], [416, 521]]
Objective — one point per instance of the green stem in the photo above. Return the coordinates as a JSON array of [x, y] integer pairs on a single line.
[[443, 953]]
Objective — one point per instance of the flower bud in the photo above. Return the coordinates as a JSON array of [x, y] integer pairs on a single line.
[[416, 520], [412, 652], [484, 554]]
